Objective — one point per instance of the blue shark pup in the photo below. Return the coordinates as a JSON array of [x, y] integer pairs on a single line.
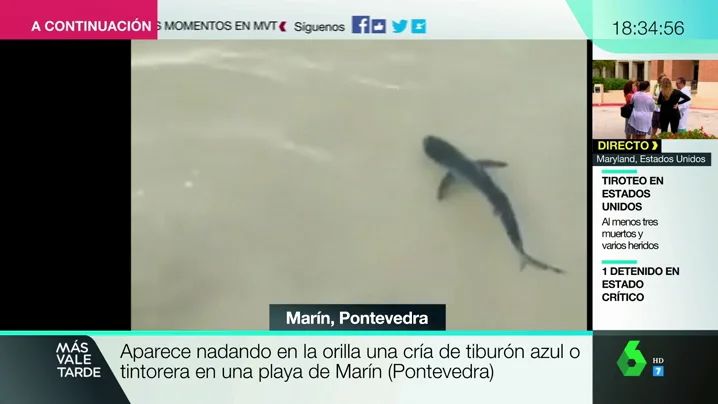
[[460, 167]]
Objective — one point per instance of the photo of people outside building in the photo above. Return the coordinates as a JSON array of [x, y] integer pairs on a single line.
[[668, 99]]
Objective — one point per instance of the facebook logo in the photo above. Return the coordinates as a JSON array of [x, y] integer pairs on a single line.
[[363, 24]]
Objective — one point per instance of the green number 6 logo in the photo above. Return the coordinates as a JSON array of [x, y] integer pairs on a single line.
[[630, 352]]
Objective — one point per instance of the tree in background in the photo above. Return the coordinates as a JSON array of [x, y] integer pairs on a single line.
[[600, 67], [600, 70]]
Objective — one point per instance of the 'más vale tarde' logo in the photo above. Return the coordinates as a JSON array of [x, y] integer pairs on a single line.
[[75, 360]]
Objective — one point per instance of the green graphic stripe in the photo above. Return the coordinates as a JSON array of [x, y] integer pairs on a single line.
[[615, 262]]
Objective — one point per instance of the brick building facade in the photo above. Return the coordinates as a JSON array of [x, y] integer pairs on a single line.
[[702, 73]]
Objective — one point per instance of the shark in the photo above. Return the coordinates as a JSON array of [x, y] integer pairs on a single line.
[[475, 172]]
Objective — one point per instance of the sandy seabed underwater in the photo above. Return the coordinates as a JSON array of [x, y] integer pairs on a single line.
[[292, 172]]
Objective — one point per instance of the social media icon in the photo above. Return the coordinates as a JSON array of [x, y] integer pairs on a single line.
[[418, 26], [361, 24], [364, 24], [399, 26], [378, 26]]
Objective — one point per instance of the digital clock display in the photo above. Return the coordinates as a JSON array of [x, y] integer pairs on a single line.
[[653, 28]]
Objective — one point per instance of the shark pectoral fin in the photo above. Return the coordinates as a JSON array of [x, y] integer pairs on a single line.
[[497, 212], [448, 179], [524, 262], [490, 163]]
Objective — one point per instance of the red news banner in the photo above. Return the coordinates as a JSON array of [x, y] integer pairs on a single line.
[[78, 19]]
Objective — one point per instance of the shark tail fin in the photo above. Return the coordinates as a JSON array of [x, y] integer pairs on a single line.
[[527, 259]]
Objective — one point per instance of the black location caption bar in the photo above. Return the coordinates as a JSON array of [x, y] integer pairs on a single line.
[[659, 367], [646, 153], [368, 317]]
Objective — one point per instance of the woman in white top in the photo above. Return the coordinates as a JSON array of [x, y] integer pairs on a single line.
[[640, 122]]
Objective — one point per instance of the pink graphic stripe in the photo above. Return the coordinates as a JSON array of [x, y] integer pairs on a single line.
[[78, 19]]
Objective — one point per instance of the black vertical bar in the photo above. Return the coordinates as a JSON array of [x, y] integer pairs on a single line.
[[66, 118], [686, 359], [589, 181]]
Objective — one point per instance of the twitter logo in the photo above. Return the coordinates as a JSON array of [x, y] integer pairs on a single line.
[[418, 26], [399, 26]]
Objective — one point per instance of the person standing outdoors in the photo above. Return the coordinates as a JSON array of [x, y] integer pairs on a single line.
[[640, 122], [656, 114], [684, 108], [669, 99], [629, 89]]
